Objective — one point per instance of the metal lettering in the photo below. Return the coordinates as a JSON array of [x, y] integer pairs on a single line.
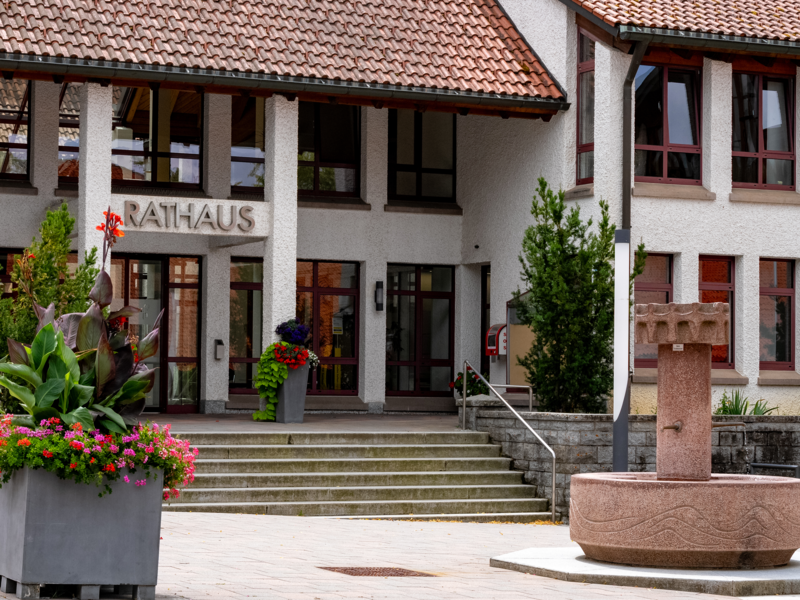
[[131, 210], [169, 210], [244, 213], [221, 218], [189, 214], [206, 216], [151, 214]]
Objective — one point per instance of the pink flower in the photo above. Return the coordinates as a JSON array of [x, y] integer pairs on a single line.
[[141, 483], [126, 479]]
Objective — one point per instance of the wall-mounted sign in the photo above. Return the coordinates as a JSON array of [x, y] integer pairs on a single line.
[[190, 216]]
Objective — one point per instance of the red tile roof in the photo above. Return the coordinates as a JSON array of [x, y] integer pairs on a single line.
[[460, 45], [768, 19]]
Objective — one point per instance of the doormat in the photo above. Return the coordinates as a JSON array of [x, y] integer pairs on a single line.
[[376, 572]]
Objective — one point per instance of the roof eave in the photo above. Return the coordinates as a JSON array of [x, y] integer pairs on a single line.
[[708, 40], [102, 69]]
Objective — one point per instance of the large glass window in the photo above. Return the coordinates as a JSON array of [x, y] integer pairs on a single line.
[[775, 314], [327, 301], [7, 262], [14, 123], [328, 151], [422, 156], [247, 143], [69, 113], [419, 330], [585, 108], [716, 283], [667, 125], [763, 132], [652, 286], [152, 284], [245, 324], [157, 137]]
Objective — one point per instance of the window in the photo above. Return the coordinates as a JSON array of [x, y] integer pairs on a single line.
[[667, 125], [14, 122], [419, 330], [486, 313], [157, 138], [652, 286], [329, 151], [327, 301], [585, 108], [717, 285], [775, 310], [7, 258], [69, 113], [245, 324], [152, 283], [763, 132], [422, 156], [247, 143]]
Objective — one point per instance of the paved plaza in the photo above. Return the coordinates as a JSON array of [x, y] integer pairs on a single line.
[[219, 556]]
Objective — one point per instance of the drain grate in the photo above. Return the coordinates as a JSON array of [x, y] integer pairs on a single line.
[[376, 572]]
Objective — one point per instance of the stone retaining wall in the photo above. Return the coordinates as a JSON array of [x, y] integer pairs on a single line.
[[582, 444]]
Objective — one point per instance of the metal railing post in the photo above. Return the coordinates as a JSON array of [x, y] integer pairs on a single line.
[[464, 399]]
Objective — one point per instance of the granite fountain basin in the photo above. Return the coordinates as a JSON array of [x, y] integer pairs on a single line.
[[727, 522]]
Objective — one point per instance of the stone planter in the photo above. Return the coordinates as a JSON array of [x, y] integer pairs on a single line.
[[58, 532], [292, 396]]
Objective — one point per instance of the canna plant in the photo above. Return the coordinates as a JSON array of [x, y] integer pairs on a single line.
[[81, 367]]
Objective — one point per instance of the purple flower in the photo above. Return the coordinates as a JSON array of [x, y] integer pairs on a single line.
[[293, 332]]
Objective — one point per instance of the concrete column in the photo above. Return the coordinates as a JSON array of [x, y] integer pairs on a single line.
[[44, 136], [686, 277], [717, 127], [280, 192], [374, 156], [372, 337], [217, 145], [746, 316], [216, 326], [468, 317], [94, 178]]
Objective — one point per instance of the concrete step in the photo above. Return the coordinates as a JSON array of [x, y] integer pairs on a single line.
[[381, 507], [354, 451], [353, 494], [412, 478], [326, 438], [339, 465], [529, 517]]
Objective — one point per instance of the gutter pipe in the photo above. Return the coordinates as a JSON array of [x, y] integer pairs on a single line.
[[108, 69]]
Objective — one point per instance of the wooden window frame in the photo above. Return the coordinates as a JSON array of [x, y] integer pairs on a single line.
[[762, 154], [666, 148], [669, 288], [249, 286], [417, 167], [773, 365], [23, 115], [583, 67], [316, 290], [729, 287], [419, 361]]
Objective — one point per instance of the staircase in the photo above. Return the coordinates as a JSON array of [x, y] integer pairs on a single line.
[[452, 476]]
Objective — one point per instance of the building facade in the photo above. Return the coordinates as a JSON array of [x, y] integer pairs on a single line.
[[369, 171]]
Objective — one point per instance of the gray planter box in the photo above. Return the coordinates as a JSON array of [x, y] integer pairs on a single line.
[[292, 396], [58, 532]]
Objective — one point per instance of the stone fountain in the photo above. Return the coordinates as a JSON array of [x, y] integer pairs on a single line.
[[683, 516]]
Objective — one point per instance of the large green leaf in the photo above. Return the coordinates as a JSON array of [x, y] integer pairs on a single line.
[[24, 421], [111, 425], [40, 414], [111, 414], [17, 353], [47, 393], [88, 377], [84, 417], [148, 375], [20, 392], [90, 328], [103, 291], [44, 344], [69, 358], [24, 372], [104, 367], [56, 368], [80, 395]]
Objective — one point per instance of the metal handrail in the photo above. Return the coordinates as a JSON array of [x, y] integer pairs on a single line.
[[468, 367]]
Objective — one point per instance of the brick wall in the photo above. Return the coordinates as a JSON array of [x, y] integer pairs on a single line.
[[582, 444]]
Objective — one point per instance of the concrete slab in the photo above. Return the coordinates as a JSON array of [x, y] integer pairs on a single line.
[[569, 564]]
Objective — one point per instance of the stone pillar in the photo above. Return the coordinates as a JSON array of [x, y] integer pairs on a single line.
[[687, 270], [44, 136], [372, 337], [747, 308], [374, 156], [280, 192], [217, 145], [94, 177], [468, 317], [717, 127], [216, 326]]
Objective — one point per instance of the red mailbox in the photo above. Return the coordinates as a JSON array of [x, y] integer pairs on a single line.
[[496, 340]]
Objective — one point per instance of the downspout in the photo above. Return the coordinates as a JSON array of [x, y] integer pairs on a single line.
[[627, 109]]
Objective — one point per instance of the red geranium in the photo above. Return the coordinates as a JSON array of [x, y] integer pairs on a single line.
[[47, 454]]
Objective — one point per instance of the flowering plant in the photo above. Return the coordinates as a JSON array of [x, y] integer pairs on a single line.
[[290, 355], [475, 386], [70, 452], [293, 332], [273, 369]]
